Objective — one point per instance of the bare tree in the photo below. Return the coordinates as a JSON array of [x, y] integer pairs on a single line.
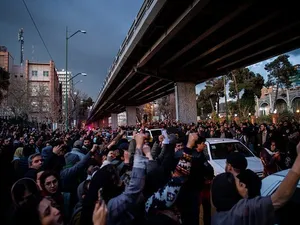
[[166, 107], [77, 97], [18, 101]]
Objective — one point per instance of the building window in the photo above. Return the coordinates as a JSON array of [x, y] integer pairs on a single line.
[[34, 73], [21, 75], [16, 76], [46, 73]]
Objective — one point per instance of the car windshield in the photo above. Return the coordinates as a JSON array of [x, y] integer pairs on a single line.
[[155, 133], [130, 133], [222, 150]]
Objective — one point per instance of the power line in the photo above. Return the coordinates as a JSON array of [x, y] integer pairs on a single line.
[[37, 29]]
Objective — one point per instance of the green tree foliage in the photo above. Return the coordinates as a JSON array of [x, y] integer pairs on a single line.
[[250, 84], [210, 96], [4, 83], [279, 72]]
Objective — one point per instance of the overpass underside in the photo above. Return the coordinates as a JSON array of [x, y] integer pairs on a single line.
[[192, 41]]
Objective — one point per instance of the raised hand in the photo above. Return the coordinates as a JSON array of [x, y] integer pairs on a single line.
[[193, 137], [100, 213], [58, 150], [95, 148], [139, 138], [147, 151], [126, 157]]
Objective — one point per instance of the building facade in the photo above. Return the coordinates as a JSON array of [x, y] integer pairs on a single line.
[[287, 100], [44, 92], [296, 78], [6, 59], [6, 63], [65, 86]]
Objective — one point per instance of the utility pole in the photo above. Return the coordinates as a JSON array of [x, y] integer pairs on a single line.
[[67, 103], [21, 40]]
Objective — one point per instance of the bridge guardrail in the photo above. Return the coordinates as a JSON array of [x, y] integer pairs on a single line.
[[146, 5]]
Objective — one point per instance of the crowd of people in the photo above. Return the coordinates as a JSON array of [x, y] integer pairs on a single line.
[[98, 176]]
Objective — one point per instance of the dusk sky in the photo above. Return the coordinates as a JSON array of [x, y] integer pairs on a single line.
[[106, 22]]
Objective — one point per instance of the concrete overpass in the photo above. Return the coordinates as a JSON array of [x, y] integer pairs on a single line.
[[174, 45]]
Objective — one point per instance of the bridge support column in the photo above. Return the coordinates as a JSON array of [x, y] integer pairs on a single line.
[[131, 115], [114, 121], [186, 106], [104, 122]]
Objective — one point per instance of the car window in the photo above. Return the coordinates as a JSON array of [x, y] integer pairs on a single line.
[[289, 214], [129, 133], [222, 150], [155, 133], [205, 152]]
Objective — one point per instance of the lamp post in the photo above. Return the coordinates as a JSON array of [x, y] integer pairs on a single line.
[[67, 103], [67, 40], [80, 81]]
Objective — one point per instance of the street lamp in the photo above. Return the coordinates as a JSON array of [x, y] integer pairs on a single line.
[[82, 74], [80, 81], [67, 40]]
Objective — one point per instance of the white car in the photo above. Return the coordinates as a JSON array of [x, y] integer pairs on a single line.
[[129, 135], [217, 150], [154, 133], [289, 214]]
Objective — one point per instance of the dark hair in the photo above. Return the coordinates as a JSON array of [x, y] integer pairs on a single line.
[[45, 175], [225, 199], [26, 208], [237, 160], [19, 187], [28, 150], [252, 181], [200, 140], [86, 139]]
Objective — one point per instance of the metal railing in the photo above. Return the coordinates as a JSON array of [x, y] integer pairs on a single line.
[[146, 5]]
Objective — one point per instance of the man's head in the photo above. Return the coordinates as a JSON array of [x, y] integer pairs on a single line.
[[248, 184], [77, 144], [200, 144], [35, 161], [6, 142], [262, 127], [179, 145], [235, 163], [87, 143], [273, 146], [224, 193], [21, 139], [31, 141]]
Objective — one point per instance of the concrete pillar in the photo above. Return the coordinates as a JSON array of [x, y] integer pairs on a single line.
[[114, 121], [186, 106], [131, 115], [289, 104], [104, 122]]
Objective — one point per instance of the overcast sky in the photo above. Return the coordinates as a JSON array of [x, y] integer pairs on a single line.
[[106, 22]]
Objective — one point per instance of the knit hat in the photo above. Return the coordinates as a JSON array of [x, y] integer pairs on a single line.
[[252, 181], [237, 161], [71, 158], [224, 193]]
